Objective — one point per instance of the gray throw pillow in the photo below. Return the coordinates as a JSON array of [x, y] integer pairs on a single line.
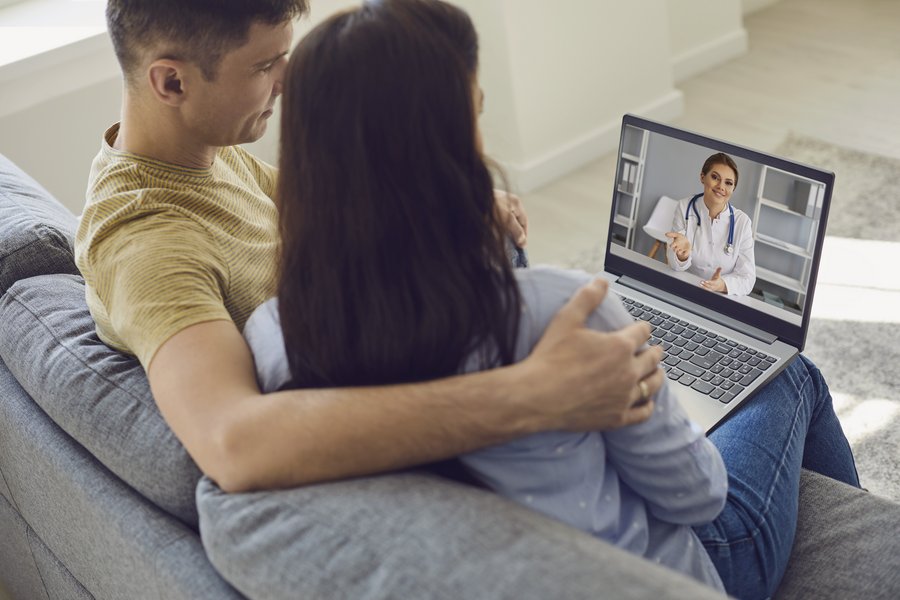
[[97, 395], [36, 231]]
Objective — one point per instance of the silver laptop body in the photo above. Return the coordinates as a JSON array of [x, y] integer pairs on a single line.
[[719, 349]]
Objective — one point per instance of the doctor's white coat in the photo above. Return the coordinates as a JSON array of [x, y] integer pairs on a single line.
[[708, 240]]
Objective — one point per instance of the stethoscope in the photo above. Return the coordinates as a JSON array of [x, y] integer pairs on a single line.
[[692, 205]]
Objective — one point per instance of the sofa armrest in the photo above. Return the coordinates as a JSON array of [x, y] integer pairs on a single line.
[[847, 544], [414, 535]]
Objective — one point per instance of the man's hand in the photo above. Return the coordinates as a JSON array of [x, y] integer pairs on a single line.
[[680, 245], [511, 213], [603, 370], [715, 283]]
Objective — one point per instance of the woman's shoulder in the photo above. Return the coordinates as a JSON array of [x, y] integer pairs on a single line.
[[546, 289], [553, 277]]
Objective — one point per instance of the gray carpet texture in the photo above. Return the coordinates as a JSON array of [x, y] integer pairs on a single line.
[[859, 358]]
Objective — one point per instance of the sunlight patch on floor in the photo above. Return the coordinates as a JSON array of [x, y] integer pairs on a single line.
[[863, 417], [858, 281]]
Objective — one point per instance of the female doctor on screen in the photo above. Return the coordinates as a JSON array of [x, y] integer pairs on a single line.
[[710, 237]]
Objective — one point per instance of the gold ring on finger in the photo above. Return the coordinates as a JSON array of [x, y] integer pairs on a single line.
[[645, 389]]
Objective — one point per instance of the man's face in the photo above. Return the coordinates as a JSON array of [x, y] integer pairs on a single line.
[[234, 108]]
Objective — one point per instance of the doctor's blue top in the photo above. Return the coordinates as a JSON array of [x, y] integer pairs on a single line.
[[639, 487], [708, 238]]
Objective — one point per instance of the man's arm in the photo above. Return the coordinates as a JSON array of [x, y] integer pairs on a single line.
[[204, 383]]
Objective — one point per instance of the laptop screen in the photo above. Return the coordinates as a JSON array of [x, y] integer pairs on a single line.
[[735, 230]]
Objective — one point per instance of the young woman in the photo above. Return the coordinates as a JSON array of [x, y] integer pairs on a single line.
[[394, 270], [710, 237]]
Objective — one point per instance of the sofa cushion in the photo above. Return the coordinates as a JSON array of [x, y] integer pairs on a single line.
[[413, 535], [79, 514], [97, 395], [36, 231], [847, 544]]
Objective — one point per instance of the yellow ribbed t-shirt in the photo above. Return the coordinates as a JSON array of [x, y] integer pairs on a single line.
[[163, 247]]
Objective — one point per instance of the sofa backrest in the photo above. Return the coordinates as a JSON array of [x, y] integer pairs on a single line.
[[36, 231], [48, 340]]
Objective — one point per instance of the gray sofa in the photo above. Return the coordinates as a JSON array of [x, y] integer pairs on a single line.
[[99, 500]]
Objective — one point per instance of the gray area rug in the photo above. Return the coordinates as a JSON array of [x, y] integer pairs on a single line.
[[859, 360]]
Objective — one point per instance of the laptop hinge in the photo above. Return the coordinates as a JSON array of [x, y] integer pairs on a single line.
[[753, 332]]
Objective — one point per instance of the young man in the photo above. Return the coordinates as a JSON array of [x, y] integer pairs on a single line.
[[177, 246]]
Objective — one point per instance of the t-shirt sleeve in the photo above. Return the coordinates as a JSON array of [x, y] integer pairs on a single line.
[[156, 275]]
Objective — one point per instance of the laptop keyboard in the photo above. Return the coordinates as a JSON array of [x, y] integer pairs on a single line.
[[700, 359]]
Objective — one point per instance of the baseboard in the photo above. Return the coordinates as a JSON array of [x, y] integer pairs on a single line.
[[530, 175], [751, 6], [709, 55]]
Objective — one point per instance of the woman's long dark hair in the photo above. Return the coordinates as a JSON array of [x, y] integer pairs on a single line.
[[393, 267]]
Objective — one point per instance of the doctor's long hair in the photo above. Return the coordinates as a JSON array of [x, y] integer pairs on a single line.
[[393, 267]]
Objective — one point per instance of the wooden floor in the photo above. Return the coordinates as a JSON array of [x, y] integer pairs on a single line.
[[829, 69]]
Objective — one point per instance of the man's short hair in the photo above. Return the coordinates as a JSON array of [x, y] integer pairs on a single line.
[[196, 31]]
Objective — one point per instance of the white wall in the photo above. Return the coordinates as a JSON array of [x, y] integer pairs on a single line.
[[751, 6], [55, 105], [703, 34], [55, 141], [557, 76]]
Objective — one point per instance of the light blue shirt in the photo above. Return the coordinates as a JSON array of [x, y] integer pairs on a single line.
[[639, 487]]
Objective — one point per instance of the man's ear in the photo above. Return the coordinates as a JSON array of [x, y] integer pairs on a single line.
[[167, 80]]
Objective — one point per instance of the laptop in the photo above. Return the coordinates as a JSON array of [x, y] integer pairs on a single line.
[[720, 349]]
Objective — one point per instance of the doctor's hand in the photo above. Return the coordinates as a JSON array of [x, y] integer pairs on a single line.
[[680, 245], [715, 283]]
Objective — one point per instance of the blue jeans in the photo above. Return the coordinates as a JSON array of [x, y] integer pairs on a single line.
[[789, 424]]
